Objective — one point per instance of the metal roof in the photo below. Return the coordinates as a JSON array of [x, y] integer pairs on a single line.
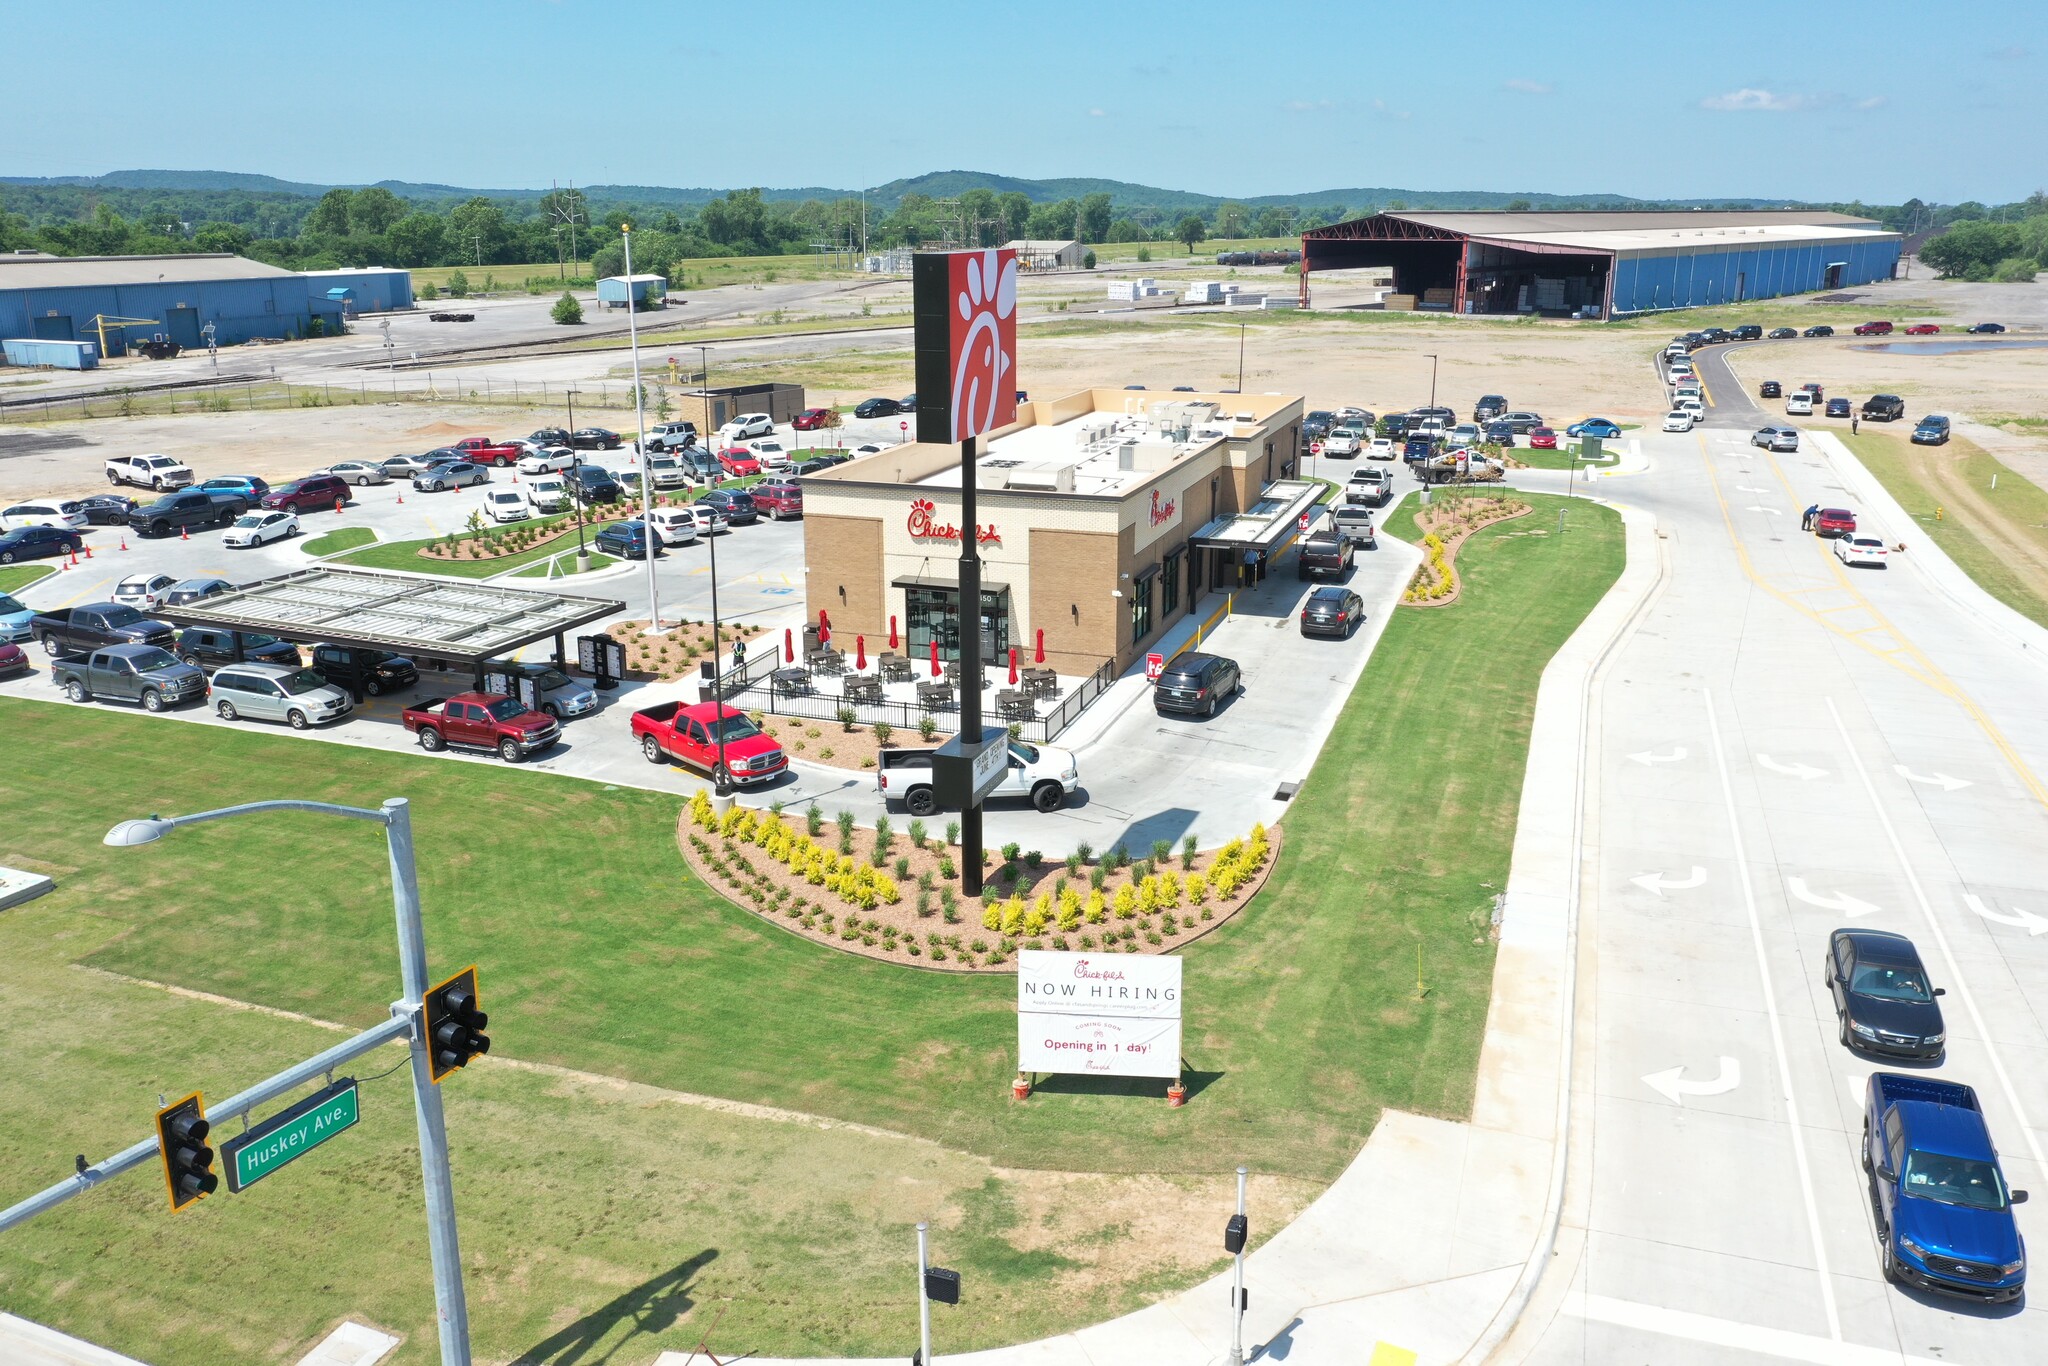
[[60, 272], [1502, 223], [1690, 237], [412, 614]]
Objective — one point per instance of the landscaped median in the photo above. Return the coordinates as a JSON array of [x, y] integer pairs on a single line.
[[595, 1207]]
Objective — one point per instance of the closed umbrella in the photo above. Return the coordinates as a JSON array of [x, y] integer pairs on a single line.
[[788, 646], [892, 633], [935, 659], [1038, 655], [824, 630], [860, 652], [1013, 666]]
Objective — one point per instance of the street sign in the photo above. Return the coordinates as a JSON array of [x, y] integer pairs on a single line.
[[1315, 448], [1303, 523], [1155, 665], [290, 1134], [963, 775]]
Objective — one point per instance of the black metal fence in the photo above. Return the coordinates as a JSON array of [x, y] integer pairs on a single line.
[[752, 685]]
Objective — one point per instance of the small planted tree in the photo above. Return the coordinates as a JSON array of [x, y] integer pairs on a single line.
[[566, 310]]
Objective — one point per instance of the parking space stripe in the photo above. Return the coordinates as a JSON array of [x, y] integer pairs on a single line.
[[1742, 1337]]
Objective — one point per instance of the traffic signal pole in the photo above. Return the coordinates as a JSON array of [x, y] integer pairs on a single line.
[[406, 1023]]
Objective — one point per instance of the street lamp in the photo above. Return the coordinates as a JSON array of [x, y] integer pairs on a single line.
[[640, 436], [1432, 381], [1240, 357], [576, 489], [396, 817]]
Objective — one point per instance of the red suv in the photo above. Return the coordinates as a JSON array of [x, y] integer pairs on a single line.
[[1872, 329], [303, 495], [811, 419], [1835, 522], [778, 498]]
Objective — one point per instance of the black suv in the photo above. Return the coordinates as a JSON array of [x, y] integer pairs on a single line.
[[550, 436], [1196, 684], [1749, 332], [593, 484], [1770, 388], [1332, 611], [1823, 330], [734, 505], [1488, 407], [362, 670], [210, 646]]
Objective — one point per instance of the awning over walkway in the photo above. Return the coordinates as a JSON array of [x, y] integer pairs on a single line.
[[1266, 526], [431, 618]]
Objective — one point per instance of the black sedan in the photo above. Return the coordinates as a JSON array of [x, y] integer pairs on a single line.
[[1332, 611], [1781, 333], [38, 543], [1837, 407], [106, 509], [1770, 388], [1882, 1001], [735, 506], [1821, 331], [594, 439], [1985, 327], [877, 407]]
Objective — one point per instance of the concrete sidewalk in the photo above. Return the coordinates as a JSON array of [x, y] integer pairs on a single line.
[[1426, 1248]]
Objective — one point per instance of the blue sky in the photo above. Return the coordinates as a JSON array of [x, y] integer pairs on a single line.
[[1881, 100]]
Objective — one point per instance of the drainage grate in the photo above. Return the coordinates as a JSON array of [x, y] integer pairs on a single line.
[[1285, 792]]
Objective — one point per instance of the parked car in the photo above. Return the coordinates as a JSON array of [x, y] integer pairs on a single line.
[[1749, 332], [1678, 420], [1196, 684], [14, 661], [593, 439], [1811, 388], [593, 484], [14, 621], [64, 513], [304, 495], [259, 528], [1332, 611], [1594, 426], [1522, 421], [546, 493], [361, 473], [94, 624], [777, 498], [1488, 407], [1498, 433], [404, 466], [1341, 444], [738, 462], [193, 590], [482, 721], [107, 509], [209, 647], [278, 692], [670, 436], [452, 474], [1985, 327], [1039, 772], [1781, 333], [907, 405], [770, 454], [1834, 522], [1838, 407], [246, 485], [1465, 434], [1822, 330], [1932, 431], [148, 674], [506, 505], [1873, 329], [1769, 389], [747, 426], [877, 407], [1314, 424], [1944, 1211], [361, 669], [674, 526], [1380, 448], [185, 510], [144, 592], [627, 540], [159, 472], [699, 463], [547, 460], [1799, 404], [549, 436], [1923, 329], [1866, 551], [664, 471], [696, 734], [815, 419], [1776, 438], [1542, 439], [735, 506], [560, 695], [1883, 408], [710, 521]]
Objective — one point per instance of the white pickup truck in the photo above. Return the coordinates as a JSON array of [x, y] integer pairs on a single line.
[[547, 494], [158, 472], [1039, 772]]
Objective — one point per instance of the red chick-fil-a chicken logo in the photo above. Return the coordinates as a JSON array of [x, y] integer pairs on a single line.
[[1161, 512], [983, 363], [1082, 970], [926, 526]]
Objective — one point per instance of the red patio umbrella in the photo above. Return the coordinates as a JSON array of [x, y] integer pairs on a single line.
[[788, 646], [892, 633], [1038, 655], [1013, 666], [860, 652], [935, 659]]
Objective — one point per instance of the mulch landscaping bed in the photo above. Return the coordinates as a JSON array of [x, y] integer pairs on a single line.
[[1436, 580], [896, 896]]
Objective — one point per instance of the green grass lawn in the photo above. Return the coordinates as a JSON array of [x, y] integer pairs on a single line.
[[598, 951], [540, 570], [340, 539], [15, 577], [1562, 457]]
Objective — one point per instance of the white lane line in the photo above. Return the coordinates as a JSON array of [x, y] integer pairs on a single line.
[[1743, 1337], [1763, 969], [1955, 974]]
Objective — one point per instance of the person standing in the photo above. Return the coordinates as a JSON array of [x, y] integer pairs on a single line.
[[1806, 518]]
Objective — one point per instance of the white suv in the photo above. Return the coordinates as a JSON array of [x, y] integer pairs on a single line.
[[747, 426]]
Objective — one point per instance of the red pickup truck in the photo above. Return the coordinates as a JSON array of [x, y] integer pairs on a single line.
[[484, 451], [690, 735], [482, 720]]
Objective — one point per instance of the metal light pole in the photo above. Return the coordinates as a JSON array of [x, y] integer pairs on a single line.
[[576, 493], [970, 666], [640, 436], [1432, 381], [924, 1303], [721, 780], [1237, 1285], [452, 1310], [1240, 357]]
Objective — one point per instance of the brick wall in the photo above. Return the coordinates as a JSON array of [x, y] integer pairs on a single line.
[[1072, 573], [844, 557]]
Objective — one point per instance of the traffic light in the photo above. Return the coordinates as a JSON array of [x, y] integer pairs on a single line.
[[181, 1132], [455, 1027]]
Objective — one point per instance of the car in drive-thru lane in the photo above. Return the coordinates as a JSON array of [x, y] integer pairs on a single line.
[[1196, 684], [148, 674], [694, 735], [482, 721], [1944, 1211], [1045, 775], [289, 693]]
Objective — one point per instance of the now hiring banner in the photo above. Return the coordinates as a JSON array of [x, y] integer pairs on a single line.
[[1112, 1015]]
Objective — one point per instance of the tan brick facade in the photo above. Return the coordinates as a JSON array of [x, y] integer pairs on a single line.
[[1072, 573], [843, 559]]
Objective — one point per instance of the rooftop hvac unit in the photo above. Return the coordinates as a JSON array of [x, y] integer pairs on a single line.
[[1042, 479]]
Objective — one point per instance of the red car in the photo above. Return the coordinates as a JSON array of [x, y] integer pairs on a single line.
[[1542, 439], [1923, 329], [811, 419], [1872, 329], [737, 461], [691, 736], [1835, 522], [13, 660]]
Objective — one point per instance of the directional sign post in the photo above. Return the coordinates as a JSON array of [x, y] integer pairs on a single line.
[[290, 1134]]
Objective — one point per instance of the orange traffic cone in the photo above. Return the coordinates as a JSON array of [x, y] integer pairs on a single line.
[[337, 504], [184, 534], [401, 500], [124, 540], [74, 561], [88, 552]]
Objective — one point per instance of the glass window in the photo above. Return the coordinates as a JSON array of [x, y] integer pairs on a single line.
[[1169, 580], [1141, 610]]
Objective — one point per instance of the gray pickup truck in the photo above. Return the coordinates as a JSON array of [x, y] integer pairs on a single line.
[[148, 674]]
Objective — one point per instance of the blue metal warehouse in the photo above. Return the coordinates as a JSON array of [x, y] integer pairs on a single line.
[[370, 289], [175, 297], [1604, 264]]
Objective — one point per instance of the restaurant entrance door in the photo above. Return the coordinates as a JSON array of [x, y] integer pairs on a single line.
[[932, 613]]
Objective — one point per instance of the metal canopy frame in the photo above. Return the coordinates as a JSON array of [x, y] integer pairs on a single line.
[[432, 618], [1380, 227]]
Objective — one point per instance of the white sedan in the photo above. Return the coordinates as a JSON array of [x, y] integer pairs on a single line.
[[1863, 550], [358, 472], [1691, 405], [1678, 420], [260, 528], [709, 523], [1382, 448], [547, 460]]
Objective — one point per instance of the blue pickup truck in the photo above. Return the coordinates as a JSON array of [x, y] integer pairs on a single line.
[[1944, 1211]]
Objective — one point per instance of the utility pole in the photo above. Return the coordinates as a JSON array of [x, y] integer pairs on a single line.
[[924, 1301], [1236, 1234]]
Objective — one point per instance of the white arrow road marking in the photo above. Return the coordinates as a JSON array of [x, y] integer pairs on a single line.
[[2025, 920], [1746, 488], [1841, 901], [1647, 757], [1657, 884], [1672, 1085], [1759, 507], [1803, 772], [1940, 780]]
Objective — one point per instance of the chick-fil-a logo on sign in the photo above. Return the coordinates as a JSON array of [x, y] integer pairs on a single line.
[[984, 340], [925, 525], [1162, 511]]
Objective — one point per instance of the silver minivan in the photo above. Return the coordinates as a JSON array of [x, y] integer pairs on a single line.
[[277, 692]]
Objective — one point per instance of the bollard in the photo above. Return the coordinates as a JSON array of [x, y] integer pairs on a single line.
[[1937, 514]]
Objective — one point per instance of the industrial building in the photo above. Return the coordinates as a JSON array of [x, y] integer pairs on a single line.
[[643, 291], [120, 301], [1048, 254], [1601, 264]]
